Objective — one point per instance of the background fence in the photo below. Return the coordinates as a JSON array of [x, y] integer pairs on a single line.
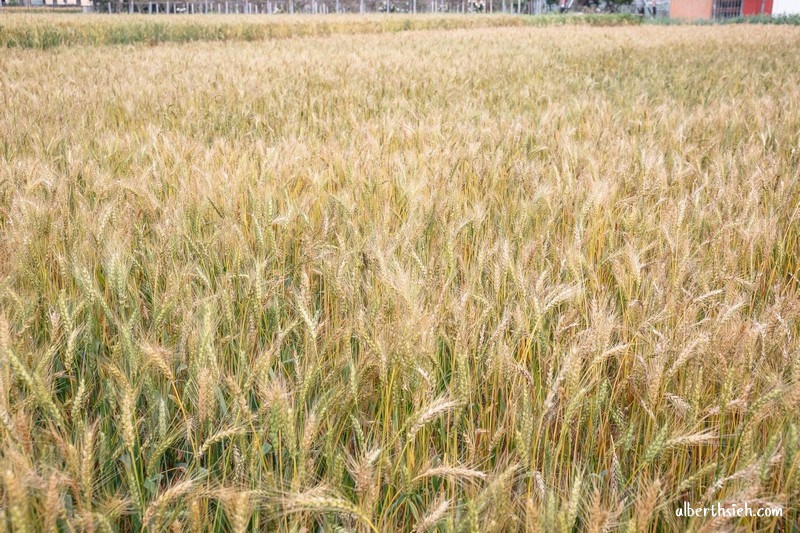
[[325, 6], [526, 7]]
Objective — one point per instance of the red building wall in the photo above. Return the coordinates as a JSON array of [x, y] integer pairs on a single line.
[[753, 7], [691, 9]]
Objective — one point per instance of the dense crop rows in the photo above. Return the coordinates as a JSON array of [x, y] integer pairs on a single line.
[[49, 31], [474, 280]]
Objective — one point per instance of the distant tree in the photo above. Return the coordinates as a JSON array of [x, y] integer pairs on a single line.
[[610, 5], [614, 4]]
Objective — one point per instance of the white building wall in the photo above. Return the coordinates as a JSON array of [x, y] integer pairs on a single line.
[[786, 7]]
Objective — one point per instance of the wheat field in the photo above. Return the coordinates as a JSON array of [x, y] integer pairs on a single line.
[[48, 30], [519, 279]]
